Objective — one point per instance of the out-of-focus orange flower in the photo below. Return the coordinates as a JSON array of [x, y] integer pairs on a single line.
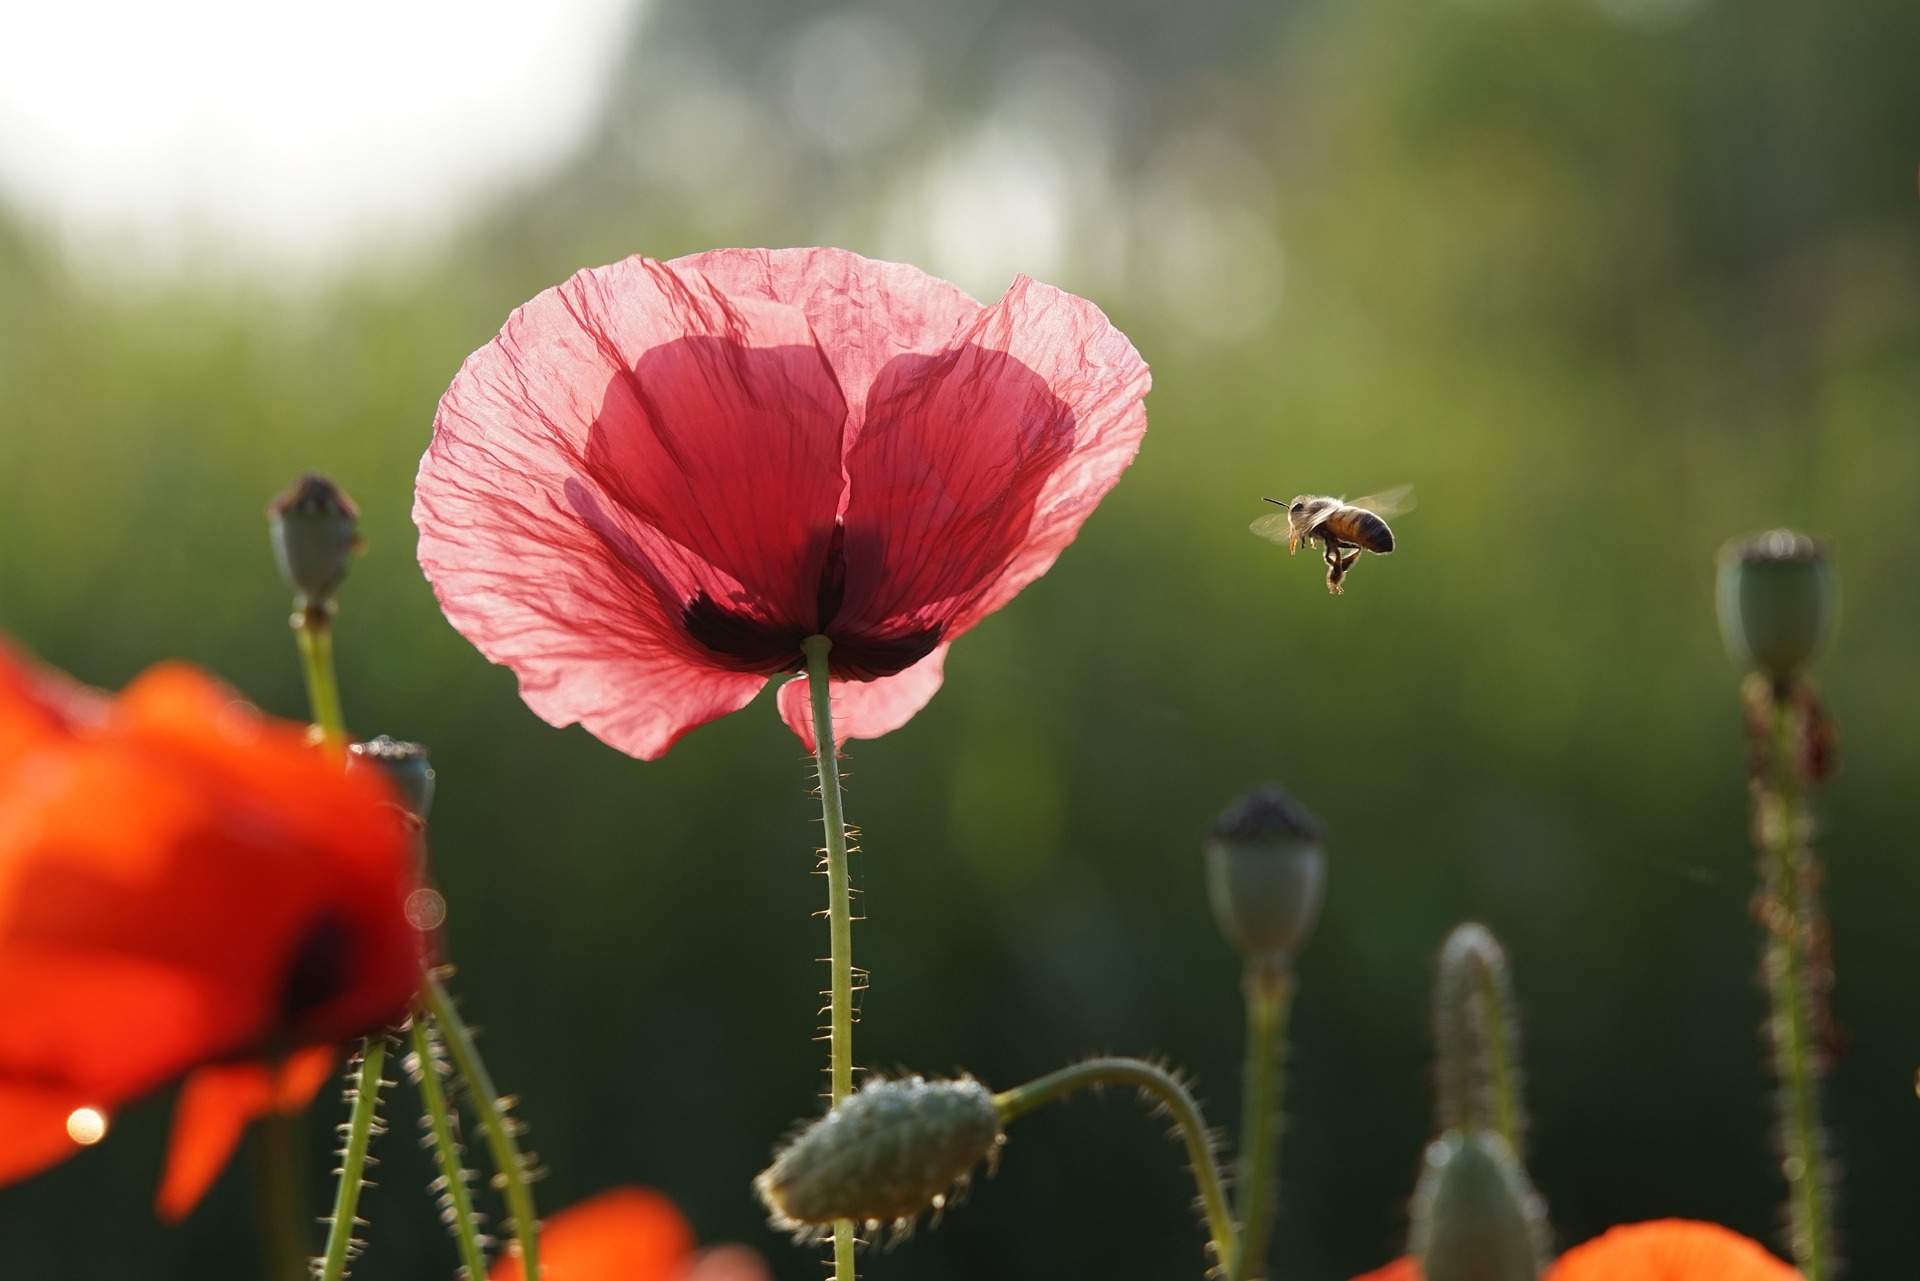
[[1663, 1250], [184, 884], [630, 1234]]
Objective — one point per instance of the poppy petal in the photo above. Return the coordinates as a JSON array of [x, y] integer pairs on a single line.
[[728, 1263], [622, 1234], [865, 709], [1097, 374], [1670, 1250], [631, 442], [212, 1113], [863, 312]]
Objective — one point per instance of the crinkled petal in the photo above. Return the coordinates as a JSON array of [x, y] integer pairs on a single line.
[[622, 1234], [865, 709], [977, 465], [1670, 1250], [633, 440], [863, 312]]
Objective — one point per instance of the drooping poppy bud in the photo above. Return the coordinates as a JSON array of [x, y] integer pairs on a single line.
[[1266, 875], [1475, 1218], [885, 1154], [1777, 600], [407, 766], [316, 533]]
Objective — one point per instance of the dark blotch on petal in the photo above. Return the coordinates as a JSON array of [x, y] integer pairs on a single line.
[[322, 965], [868, 658], [739, 642]]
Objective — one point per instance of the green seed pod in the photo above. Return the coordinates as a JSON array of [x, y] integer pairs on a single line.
[[407, 767], [316, 533], [886, 1153], [1475, 1218], [1776, 599], [1266, 875]]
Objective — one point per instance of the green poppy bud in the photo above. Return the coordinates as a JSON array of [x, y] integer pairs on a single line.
[[407, 767], [1475, 1218], [1777, 600], [1266, 875], [883, 1155], [316, 533]]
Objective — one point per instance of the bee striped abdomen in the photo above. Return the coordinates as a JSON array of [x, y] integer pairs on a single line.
[[1361, 528]]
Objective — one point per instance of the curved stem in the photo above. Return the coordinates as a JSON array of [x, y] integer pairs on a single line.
[[1791, 916], [1269, 998], [459, 1204], [839, 910], [510, 1170], [313, 630], [1170, 1094], [1500, 1070], [361, 1124]]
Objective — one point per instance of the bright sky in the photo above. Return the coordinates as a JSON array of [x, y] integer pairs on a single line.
[[280, 131]]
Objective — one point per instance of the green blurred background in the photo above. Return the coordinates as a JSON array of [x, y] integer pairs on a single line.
[[1608, 280]]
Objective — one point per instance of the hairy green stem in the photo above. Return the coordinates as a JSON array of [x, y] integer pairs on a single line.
[[313, 630], [510, 1171], [1269, 998], [358, 1132], [459, 1204], [1791, 917], [826, 762], [278, 1194], [1170, 1094]]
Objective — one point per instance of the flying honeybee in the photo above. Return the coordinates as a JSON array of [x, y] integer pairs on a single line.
[[1343, 529]]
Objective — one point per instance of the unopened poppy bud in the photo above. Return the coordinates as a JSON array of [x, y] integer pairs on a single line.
[[1475, 1218], [407, 766], [316, 532], [1776, 599], [886, 1153], [1266, 874]]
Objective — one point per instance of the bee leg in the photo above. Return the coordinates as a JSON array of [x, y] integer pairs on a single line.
[[1336, 567]]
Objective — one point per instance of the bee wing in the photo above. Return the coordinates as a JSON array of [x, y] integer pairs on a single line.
[[1389, 503], [1272, 527]]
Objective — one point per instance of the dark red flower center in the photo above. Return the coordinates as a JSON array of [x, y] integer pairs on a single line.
[[750, 644]]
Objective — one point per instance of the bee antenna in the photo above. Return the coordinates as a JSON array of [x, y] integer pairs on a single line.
[[1276, 502]]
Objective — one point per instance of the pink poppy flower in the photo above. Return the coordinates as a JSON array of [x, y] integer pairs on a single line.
[[661, 477]]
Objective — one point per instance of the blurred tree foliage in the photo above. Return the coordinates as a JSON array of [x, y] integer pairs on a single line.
[[1609, 280]]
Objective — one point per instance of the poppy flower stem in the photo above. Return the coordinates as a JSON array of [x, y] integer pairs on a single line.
[[839, 909], [278, 1196], [357, 1133], [313, 631], [1796, 967], [1269, 999], [511, 1174], [1169, 1095], [428, 1065]]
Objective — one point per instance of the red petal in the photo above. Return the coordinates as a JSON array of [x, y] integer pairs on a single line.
[[977, 466], [862, 312], [865, 709], [623, 1234], [215, 1105], [1670, 1250], [728, 1263], [630, 440], [33, 1129]]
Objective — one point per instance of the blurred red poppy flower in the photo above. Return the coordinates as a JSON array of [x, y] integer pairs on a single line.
[[183, 884], [630, 1234], [1663, 1250], [661, 477]]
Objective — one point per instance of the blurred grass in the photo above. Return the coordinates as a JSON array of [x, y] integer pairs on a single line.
[[1606, 294]]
